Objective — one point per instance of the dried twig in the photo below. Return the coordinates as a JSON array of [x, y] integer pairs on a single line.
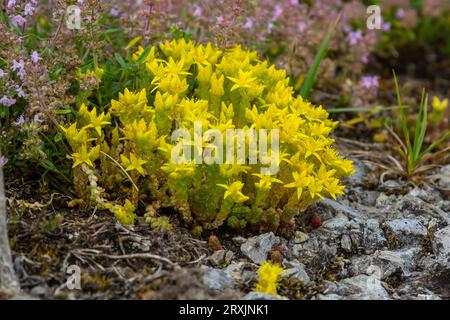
[[140, 256]]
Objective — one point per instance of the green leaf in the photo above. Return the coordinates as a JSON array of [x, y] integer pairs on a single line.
[[47, 164], [310, 77], [63, 111], [58, 137], [144, 55], [120, 60], [133, 42], [436, 144]]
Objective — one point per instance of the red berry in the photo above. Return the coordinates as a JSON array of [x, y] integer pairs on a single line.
[[315, 222]]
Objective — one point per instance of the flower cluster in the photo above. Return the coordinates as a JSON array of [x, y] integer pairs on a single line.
[[20, 10], [129, 146], [289, 33], [268, 277]]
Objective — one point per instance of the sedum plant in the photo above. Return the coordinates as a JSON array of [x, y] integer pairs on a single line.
[[123, 156], [268, 278]]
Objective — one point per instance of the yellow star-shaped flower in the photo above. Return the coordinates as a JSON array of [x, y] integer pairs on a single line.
[[266, 181], [133, 163], [97, 122], [301, 181], [234, 191], [439, 105], [244, 80], [83, 156]]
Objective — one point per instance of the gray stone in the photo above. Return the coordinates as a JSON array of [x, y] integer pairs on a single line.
[[41, 290], [444, 180], [338, 223], [358, 176], [407, 230], [373, 236], [241, 272], [346, 243], [262, 296], [341, 207], [331, 296], [8, 279], [419, 193], [441, 245], [257, 248], [362, 287], [239, 240], [360, 265], [355, 236], [369, 197], [297, 250], [391, 262], [221, 257], [300, 237], [391, 184], [216, 279], [382, 200], [428, 297], [329, 286], [234, 269], [385, 263], [295, 269], [311, 245], [409, 257], [330, 249]]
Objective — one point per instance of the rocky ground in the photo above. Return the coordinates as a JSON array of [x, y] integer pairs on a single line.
[[383, 240]]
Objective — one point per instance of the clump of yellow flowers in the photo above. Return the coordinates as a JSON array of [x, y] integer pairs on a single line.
[[122, 157], [268, 277]]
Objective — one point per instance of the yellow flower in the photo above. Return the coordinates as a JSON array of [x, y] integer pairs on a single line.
[[204, 73], [97, 122], [97, 73], [323, 174], [438, 105], [344, 165], [83, 156], [190, 84], [334, 188], [178, 171], [172, 84], [234, 191], [140, 51], [133, 163], [125, 214], [319, 129], [217, 85], [244, 80], [301, 181], [265, 181], [315, 188], [128, 101], [227, 112], [74, 136], [314, 147], [269, 275]]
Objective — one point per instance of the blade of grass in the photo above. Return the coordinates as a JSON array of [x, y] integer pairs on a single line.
[[403, 119], [119, 59], [422, 129], [144, 55], [439, 141], [404, 149], [359, 110], [311, 75]]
